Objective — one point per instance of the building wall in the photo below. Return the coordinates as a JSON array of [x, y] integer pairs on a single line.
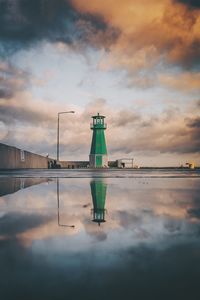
[[14, 158]]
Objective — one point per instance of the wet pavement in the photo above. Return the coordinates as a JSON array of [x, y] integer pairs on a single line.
[[68, 234]]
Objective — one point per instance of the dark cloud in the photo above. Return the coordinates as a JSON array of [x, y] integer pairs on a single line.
[[192, 3], [98, 235], [12, 80], [10, 114], [13, 224], [95, 231], [173, 226], [24, 22], [195, 123], [6, 94], [128, 219], [194, 213], [125, 117], [194, 210]]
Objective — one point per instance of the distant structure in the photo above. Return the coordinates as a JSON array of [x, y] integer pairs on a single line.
[[98, 157], [191, 165], [98, 191], [125, 163]]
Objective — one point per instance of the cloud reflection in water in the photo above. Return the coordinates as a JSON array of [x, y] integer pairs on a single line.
[[148, 247]]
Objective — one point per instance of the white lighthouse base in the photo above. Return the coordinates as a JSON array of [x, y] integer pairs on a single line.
[[98, 161]]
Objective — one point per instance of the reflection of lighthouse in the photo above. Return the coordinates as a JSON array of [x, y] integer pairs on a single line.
[[98, 191]]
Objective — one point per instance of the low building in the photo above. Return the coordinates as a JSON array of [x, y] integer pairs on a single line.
[[125, 163], [74, 164], [15, 158]]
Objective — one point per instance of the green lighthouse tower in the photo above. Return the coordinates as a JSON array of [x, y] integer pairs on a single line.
[[98, 191], [98, 154]]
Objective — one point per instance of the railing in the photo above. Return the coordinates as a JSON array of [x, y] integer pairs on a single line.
[[98, 126]]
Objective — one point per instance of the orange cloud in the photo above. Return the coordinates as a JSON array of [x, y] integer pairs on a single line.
[[186, 81], [151, 30]]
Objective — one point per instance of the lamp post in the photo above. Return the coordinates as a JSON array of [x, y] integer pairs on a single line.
[[58, 129]]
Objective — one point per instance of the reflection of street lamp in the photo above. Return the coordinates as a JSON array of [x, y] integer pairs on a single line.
[[58, 200], [60, 113]]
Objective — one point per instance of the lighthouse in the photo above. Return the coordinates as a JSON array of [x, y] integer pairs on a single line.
[[98, 192], [98, 154]]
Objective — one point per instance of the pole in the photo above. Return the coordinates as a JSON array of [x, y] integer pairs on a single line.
[[58, 200], [58, 138], [58, 206]]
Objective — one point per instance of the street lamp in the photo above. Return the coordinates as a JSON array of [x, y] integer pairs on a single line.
[[58, 129]]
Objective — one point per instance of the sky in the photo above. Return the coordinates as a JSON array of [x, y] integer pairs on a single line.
[[135, 61]]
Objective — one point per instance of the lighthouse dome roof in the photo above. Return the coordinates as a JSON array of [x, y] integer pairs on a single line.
[[98, 116]]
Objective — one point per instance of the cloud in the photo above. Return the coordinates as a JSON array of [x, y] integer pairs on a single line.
[[16, 102], [124, 118], [3, 130], [192, 3], [128, 132], [12, 112], [141, 39], [21, 113], [151, 33], [194, 213], [194, 123], [194, 210], [182, 81], [129, 219], [136, 36], [12, 80], [25, 23], [98, 233], [185, 81], [167, 133], [5, 93], [13, 224]]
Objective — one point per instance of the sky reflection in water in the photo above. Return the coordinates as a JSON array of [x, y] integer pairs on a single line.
[[147, 248]]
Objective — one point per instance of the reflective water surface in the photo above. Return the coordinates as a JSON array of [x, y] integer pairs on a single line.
[[100, 237]]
